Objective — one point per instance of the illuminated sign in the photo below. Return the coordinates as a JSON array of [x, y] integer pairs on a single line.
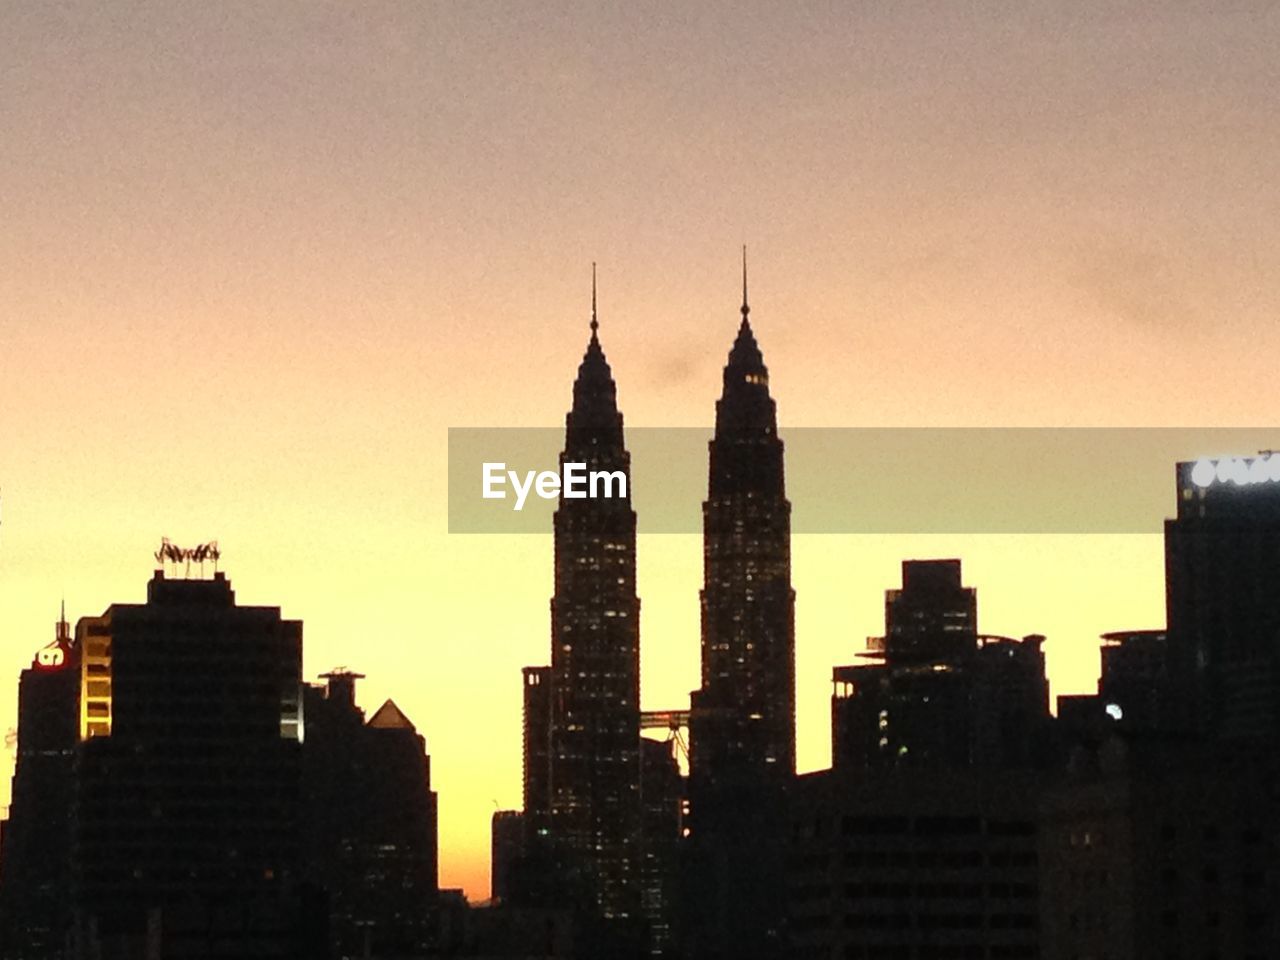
[[1240, 471], [51, 657]]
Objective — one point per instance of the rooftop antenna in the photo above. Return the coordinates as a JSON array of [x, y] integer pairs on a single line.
[[595, 323]]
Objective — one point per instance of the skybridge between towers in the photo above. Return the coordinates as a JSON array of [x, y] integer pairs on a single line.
[[675, 722]]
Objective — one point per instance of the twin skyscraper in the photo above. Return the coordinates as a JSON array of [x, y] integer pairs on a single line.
[[608, 826]]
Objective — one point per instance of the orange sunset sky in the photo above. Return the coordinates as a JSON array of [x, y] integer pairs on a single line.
[[257, 258]]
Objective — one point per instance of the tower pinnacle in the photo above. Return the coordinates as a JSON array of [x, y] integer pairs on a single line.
[[745, 309], [588, 721], [595, 323]]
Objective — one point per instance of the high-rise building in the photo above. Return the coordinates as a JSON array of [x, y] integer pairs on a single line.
[[1011, 723], [369, 823], [506, 847], [537, 751], [935, 692], [187, 796], [1133, 690], [35, 856], [590, 695], [1222, 580], [1134, 681], [532, 874], [933, 618], [742, 718], [662, 796]]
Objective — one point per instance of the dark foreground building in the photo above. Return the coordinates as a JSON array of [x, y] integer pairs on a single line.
[[166, 806], [35, 854], [922, 841], [1222, 570], [187, 801], [369, 824], [506, 847], [537, 754], [662, 796], [1154, 849], [1133, 695], [936, 693], [914, 864]]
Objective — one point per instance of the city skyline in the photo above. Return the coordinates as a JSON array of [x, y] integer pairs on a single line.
[[244, 309], [817, 748]]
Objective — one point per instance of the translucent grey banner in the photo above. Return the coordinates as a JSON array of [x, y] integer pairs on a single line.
[[876, 481]]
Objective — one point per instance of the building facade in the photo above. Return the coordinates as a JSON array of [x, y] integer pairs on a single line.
[[586, 796], [914, 864], [186, 841], [1154, 848], [662, 797], [742, 717], [537, 751], [369, 824], [506, 849], [1222, 578], [35, 844], [1134, 693], [934, 692]]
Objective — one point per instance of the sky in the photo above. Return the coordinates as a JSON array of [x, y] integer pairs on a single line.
[[257, 258]]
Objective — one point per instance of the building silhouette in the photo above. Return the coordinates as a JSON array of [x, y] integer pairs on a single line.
[[586, 795], [537, 754], [521, 933], [935, 692], [187, 798], [743, 715], [369, 824], [922, 840], [662, 790], [1158, 840], [742, 718], [506, 847], [1135, 677], [35, 845], [169, 802], [1222, 579], [1134, 693], [933, 618], [914, 863], [1161, 847]]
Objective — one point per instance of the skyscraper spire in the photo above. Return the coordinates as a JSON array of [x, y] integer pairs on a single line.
[[595, 402], [742, 718], [585, 728], [746, 362], [595, 323]]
